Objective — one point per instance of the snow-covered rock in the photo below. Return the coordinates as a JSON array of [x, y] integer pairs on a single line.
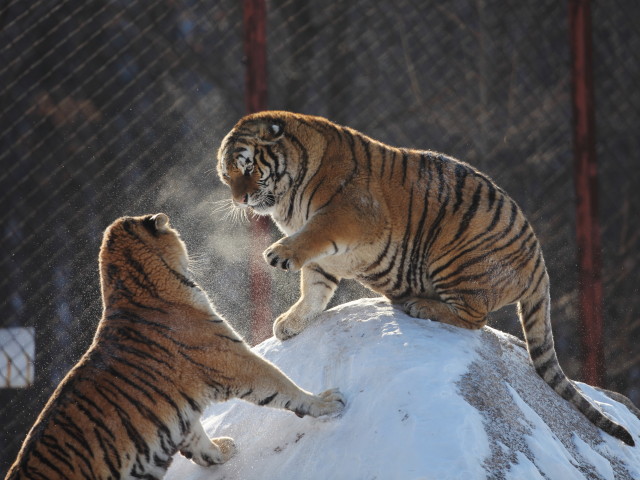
[[425, 401]]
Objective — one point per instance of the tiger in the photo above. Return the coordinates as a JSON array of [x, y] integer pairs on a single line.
[[432, 234], [159, 356]]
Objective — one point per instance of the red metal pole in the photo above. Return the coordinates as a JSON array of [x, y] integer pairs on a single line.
[[586, 185], [255, 53]]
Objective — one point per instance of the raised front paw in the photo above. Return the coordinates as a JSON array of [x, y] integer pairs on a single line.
[[331, 401], [282, 256], [218, 451]]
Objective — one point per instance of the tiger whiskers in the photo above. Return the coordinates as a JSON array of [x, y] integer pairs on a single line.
[[229, 211], [197, 262], [264, 198], [220, 205]]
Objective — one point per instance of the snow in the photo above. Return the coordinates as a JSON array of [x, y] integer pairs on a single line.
[[425, 401]]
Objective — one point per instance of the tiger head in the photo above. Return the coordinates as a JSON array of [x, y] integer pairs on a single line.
[[141, 256], [261, 157]]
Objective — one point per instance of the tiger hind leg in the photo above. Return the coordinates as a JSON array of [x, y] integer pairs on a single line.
[[199, 448], [430, 309]]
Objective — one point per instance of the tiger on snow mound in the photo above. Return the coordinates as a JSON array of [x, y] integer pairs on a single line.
[[159, 356], [429, 232]]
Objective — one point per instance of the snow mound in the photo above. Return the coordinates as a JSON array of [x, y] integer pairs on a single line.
[[425, 401]]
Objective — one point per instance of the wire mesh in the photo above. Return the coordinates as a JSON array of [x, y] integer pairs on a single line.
[[117, 107]]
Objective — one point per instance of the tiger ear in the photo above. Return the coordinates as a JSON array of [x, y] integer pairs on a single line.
[[271, 130], [276, 130], [267, 130], [161, 222]]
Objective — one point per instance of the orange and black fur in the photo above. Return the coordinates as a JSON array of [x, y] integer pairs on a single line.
[[159, 356], [431, 233]]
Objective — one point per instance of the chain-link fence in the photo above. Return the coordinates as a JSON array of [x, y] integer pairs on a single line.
[[117, 107]]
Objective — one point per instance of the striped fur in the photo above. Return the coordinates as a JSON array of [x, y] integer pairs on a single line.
[[431, 233], [160, 355]]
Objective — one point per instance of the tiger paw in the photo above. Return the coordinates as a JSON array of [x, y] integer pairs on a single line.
[[415, 308], [327, 403], [227, 447], [282, 256], [218, 451], [288, 325]]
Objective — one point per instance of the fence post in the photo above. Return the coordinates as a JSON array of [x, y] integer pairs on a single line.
[[585, 179], [255, 54]]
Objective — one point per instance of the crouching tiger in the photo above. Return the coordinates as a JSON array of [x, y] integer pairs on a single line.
[[159, 356], [429, 232]]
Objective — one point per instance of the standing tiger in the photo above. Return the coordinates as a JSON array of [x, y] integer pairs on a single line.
[[159, 356], [429, 232]]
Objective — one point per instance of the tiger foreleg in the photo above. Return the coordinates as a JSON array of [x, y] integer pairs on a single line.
[[325, 234], [292, 253], [262, 383], [300, 402], [459, 316], [199, 448], [317, 287]]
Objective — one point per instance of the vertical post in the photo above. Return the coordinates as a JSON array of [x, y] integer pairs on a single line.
[[585, 178], [255, 53]]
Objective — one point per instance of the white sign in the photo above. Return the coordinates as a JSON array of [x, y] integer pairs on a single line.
[[17, 355]]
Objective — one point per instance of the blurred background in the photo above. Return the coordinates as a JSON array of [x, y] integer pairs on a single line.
[[117, 107]]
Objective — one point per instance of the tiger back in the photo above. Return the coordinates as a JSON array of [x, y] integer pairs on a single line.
[[159, 356], [431, 233]]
